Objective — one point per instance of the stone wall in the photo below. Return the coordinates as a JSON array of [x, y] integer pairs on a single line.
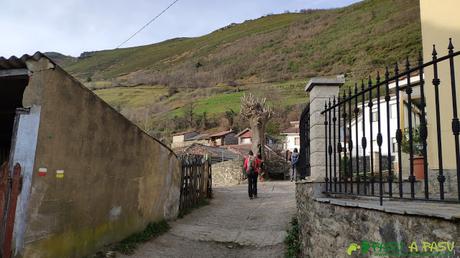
[[327, 230], [227, 173]]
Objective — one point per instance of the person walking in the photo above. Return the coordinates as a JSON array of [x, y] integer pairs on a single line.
[[252, 167], [294, 161]]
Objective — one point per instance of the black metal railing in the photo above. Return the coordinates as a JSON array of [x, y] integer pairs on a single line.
[[304, 151], [365, 135]]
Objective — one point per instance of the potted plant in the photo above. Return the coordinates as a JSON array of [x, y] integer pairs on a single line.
[[419, 159]]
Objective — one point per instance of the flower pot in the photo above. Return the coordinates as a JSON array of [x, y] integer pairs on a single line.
[[419, 170]]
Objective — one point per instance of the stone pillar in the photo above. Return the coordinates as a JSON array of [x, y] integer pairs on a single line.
[[320, 91]]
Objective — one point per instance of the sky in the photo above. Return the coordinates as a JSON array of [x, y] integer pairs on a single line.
[[74, 26]]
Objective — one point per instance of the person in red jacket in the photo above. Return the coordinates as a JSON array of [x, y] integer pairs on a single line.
[[252, 167]]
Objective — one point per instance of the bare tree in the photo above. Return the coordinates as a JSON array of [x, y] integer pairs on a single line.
[[190, 113], [258, 113], [230, 116]]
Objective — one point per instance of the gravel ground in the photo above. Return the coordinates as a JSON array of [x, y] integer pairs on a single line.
[[231, 226]]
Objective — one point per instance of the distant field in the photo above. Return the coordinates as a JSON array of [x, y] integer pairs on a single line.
[[132, 97], [280, 94], [214, 101]]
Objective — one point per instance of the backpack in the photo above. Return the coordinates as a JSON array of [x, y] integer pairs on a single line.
[[250, 170]]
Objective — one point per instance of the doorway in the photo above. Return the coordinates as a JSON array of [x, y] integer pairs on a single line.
[[11, 94]]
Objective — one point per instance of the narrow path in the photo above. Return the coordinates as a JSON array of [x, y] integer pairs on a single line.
[[231, 226]]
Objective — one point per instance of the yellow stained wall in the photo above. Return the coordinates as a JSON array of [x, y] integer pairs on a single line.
[[440, 21], [116, 179]]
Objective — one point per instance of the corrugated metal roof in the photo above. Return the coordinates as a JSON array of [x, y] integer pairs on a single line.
[[220, 134], [20, 63]]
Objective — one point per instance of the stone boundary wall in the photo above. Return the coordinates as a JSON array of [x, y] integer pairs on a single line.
[[227, 173], [327, 230]]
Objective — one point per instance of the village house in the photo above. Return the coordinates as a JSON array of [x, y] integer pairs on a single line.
[[387, 120], [291, 137], [245, 137], [179, 140], [222, 138], [185, 139]]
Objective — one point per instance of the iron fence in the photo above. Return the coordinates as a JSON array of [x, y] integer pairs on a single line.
[[361, 136], [196, 180]]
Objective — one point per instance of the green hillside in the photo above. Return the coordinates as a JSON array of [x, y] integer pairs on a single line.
[[353, 40], [271, 56]]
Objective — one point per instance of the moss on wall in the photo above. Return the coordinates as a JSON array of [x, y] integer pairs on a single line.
[[116, 180]]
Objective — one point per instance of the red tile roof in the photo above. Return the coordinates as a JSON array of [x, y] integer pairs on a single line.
[[243, 132]]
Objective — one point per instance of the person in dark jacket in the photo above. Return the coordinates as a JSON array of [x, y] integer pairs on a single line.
[[294, 161]]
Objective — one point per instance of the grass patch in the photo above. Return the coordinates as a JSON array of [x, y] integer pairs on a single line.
[[201, 203], [129, 244], [292, 240], [132, 97]]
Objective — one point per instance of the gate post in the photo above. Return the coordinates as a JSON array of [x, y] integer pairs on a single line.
[[320, 90]]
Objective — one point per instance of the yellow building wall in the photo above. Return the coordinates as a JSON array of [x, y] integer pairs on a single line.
[[440, 21]]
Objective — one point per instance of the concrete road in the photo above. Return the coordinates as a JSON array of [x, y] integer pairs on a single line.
[[231, 226]]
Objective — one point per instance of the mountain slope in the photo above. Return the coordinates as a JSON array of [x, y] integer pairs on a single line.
[[157, 86], [355, 40]]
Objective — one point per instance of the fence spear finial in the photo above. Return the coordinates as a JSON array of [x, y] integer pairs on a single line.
[[451, 46], [407, 63], [434, 53], [420, 58]]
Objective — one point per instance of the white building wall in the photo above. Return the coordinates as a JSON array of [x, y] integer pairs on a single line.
[[383, 127], [290, 143]]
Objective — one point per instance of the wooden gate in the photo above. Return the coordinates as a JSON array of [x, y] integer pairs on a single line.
[[196, 180], [304, 157], [10, 187]]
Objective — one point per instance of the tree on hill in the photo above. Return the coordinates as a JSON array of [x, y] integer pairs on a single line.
[[258, 113], [230, 116], [190, 113]]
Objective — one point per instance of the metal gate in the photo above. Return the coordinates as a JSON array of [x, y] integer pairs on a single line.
[[10, 187], [304, 158]]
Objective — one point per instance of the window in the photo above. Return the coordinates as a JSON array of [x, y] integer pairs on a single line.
[[297, 140], [393, 111], [246, 141]]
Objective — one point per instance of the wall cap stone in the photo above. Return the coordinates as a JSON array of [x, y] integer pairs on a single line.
[[325, 81], [446, 211]]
